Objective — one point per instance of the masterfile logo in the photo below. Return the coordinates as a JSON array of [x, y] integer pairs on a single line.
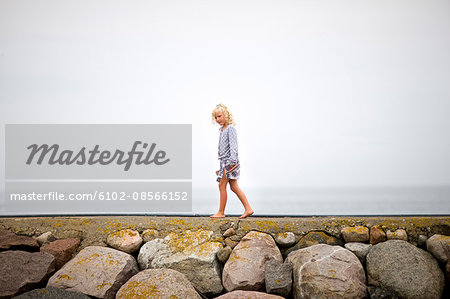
[[97, 169], [68, 157], [68, 151]]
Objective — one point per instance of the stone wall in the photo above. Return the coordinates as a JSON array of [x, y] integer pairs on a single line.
[[271, 257], [94, 230]]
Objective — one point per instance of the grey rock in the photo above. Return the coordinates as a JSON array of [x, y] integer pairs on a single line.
[[52, 293], [157, 283], [224, 253], [422, 241], [405, 269], [95, 271], [229, 232], [325, 271], [21, 271], [278, 278], [44, 238], [193, 253], [230, 243], [399, 234], [439, 246], [359, 249], [285, 239]]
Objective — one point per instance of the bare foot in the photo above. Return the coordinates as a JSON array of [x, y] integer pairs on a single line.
[[246, 214], [217, 215]]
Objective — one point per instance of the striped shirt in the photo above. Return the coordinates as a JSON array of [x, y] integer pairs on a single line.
[[228, 145]]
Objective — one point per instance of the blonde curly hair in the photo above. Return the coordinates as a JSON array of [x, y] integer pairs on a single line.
[[228, 116]]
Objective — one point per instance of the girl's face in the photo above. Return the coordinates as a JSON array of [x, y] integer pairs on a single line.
[[220, 117]]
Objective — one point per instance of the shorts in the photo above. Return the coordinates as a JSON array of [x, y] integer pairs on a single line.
[[234, 175]]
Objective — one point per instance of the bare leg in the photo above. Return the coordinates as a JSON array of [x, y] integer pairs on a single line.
[[240, 194], [223, 198]]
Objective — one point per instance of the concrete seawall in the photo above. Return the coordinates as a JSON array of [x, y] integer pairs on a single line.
[[93, 230]]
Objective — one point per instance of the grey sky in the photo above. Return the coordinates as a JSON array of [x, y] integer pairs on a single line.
[[325, 93]]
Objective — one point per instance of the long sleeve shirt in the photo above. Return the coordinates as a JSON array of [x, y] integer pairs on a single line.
[[228, 145]]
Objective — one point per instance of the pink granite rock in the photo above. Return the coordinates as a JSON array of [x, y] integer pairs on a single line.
[[9, 240], [95, 271], [125, 240], [377, 235], [62, 250], [21, 271], [244, 269]]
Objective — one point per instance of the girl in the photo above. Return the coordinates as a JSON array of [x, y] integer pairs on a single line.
[[228, 156]]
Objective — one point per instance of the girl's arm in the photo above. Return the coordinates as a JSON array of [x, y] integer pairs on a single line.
[[232, 137]]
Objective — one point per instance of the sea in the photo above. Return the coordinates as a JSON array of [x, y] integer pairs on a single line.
[[330, 201]]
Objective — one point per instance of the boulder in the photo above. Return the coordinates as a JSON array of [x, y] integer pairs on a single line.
[[355, 234], [62, 250], [45, 238], [231, 243], [314, 238], [359, 249], [422, 241], [21, 271], [244, 269], [439, 246], [157, 283], [399, 234], [377, 235], [285, 239], [224, 253], [325, 271], [52, 293], [248, 295], [95, 271], [278, 278], [125, 240], [11, 241], [229, 232], [405, 269], [191, 253]]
